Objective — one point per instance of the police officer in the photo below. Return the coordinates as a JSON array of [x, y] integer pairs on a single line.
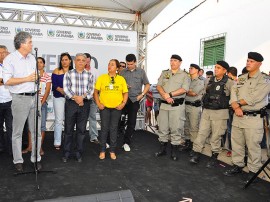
[[172, 86], [248, 100], [193, 106], [215, 114]]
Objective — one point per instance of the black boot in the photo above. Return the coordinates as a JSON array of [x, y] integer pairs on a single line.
[[213, 161], [162, 149], [187, 146], [174, 151], [195, 158], [233, 171]]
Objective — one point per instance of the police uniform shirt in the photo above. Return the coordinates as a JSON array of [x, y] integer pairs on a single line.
[[172, 82], [197, 86], [253, 90]]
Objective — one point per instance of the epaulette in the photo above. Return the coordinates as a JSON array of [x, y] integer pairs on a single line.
[[242, 74], [165, 70]]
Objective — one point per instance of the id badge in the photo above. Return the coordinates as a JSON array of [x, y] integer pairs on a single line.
[[111, 86]]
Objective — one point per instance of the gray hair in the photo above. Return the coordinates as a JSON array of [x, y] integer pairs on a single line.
[[81, 54], [3, 47], [21, 38]]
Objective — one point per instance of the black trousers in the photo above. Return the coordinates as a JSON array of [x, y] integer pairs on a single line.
[[109, 125], [6, 117], [131, 109], [75, 115]]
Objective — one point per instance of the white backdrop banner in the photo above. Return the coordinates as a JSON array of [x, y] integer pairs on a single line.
[[52, 40]]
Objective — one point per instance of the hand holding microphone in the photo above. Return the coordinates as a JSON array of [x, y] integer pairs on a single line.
[[32, 77]]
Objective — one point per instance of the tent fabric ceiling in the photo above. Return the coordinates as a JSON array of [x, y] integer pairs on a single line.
[[148, 8]]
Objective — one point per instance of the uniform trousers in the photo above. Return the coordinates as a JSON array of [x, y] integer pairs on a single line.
[[193, 116], [212, 122], [171, 123], [247, 130]]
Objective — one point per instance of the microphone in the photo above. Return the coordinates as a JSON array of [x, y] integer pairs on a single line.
[[36, 49]]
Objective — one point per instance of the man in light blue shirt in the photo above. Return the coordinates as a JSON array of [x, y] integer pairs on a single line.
[[19, 74], [5, 108]]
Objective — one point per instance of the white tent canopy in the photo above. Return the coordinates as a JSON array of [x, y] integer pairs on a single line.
[[148, 9]]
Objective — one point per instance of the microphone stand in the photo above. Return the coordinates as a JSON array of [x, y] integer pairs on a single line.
[[37, 114]]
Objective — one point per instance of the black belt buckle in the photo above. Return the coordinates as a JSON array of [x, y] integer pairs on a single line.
[[27, 94], [175, 104]]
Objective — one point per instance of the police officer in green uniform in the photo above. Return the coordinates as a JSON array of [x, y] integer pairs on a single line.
[[172, 86], [193, 107], [215, 114], [248, 100]]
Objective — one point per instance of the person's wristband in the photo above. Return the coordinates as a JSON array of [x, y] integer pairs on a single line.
[[170, 94], [142, 94]]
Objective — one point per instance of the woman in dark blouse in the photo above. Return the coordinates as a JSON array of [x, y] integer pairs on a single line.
[[65, 65]]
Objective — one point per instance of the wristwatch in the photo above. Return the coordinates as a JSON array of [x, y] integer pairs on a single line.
[[238, 102], [142, 94]]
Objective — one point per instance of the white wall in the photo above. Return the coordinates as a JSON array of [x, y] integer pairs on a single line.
[[244, 21]]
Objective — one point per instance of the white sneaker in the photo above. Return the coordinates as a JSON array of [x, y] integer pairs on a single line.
[[126, 147], [107, 146]]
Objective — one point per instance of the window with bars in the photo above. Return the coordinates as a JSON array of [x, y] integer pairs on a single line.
[[213, 49]]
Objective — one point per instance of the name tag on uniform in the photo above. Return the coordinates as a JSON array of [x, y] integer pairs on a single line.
[[111, 86]]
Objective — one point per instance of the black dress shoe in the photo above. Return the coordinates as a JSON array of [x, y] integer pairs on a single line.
[[233, 171], [79, 160], [19, 167], [195, 158], [249, 176], [95, 141], [213, 161], [64, 159]]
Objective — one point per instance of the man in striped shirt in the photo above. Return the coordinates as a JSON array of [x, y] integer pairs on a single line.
[[78, 87]]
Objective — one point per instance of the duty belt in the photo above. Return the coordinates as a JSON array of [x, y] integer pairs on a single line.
[[177, 102], [193, 104], [251, 113]]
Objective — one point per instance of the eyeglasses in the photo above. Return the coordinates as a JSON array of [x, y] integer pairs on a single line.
[[112, 80], [123, 66]]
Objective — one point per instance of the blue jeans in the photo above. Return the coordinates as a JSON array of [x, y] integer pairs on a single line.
[[109, 125], [93, 133], [44, 108], [59, 113]]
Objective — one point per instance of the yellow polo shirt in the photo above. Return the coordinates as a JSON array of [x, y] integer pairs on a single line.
[[111, 90]]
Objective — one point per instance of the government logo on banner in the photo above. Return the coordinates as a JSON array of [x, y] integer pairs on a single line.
[[109, 37], [81, 35], [50, 33], [33, 31], [4, 30]]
